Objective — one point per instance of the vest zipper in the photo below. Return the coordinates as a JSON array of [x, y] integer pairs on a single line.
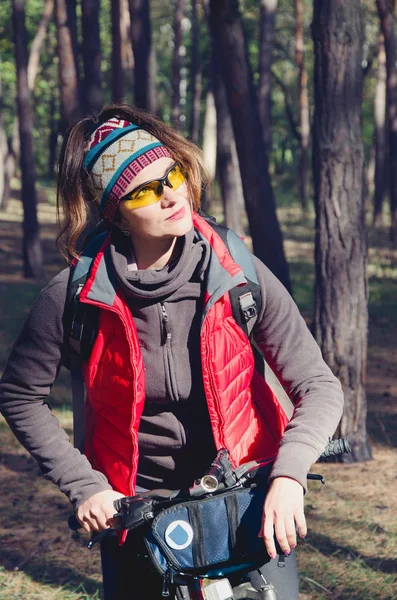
[[170, 375]]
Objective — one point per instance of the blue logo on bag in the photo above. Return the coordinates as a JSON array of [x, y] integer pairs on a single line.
[[179, 535]]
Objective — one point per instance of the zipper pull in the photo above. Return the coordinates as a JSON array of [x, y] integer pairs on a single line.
[[166, 325]]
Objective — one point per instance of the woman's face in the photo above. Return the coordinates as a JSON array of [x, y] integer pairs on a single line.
[[170, 217]]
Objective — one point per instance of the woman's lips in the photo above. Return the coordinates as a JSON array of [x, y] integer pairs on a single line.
[[179, 214]]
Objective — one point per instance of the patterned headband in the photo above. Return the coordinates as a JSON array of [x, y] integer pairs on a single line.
[[116, 152]]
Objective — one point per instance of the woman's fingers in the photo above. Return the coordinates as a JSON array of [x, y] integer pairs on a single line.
[[96, 514], [268, 535]]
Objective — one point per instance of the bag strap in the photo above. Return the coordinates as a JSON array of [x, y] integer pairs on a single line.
[[246, 300]]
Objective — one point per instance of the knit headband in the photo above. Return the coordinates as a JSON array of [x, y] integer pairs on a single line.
[[116, 152]]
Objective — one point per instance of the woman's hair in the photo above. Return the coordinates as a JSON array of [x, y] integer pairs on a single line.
[[76, 198]]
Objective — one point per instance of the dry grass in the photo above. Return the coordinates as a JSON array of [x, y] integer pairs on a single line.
[[351, 549]]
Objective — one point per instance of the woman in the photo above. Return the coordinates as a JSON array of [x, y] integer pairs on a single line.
[[170, 376]]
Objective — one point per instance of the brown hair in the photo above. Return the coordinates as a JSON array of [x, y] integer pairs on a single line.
[[76, 198]]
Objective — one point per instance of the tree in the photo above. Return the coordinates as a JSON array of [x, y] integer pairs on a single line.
[[387, 24], [32, 255], [179, 6], [118, 90], [10, 149], [304, 118], [195, 77], [266, 43], [381, 129], [91, 50], [144, 61], [227, 161], [229, 41], [340, 315], [65, 13]]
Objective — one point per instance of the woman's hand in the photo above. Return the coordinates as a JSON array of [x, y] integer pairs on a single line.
[[96, 513], [282, 513]]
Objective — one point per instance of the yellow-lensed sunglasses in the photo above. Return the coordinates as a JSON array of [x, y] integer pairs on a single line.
[[152, 191]]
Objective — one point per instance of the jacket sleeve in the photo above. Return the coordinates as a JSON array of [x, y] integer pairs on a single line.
[[27, 380], [294, 356]]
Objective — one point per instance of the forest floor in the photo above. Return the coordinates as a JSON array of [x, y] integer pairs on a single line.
[[350, 552]]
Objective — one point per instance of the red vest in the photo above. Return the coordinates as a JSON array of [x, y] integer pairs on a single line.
[[246, 417]]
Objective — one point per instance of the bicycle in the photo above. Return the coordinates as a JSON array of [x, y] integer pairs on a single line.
[[220, 483]]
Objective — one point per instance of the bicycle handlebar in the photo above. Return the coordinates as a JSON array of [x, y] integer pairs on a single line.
[[333, 448]]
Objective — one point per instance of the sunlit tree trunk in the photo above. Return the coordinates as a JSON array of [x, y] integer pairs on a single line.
[[65, 13], [266, 43], [144, 60], [340, 316], [195, 77], [32, 255], [10, 156], [380, 134], [209, 141], [304, 118], [228, 35], [92, 58], [387, 24]]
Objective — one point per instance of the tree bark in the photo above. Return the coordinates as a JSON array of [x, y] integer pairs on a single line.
[[195, 78], [266, 44], [229, 41], [32, 255], [179, 6], [65, 13], [381, 145], [144, 61], [304, 118], [10, 156], [92, 58], [227, 160], [340, 316], [387, 24], [118, 87]]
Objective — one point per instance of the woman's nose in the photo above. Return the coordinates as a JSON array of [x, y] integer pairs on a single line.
[[169, 196]]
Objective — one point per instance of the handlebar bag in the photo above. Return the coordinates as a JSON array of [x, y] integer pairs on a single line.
[[210, 536]]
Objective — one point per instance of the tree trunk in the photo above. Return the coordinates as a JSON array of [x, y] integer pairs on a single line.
[[387, 24], [65, 13], [92, 59], [229, 41], [179, 6], [304, 117], [227, 160], [195, 77], [340, 316], [209, 133], [380, 107], [10, 157], [266, 43], [118, 88], [55, 128], [32, 255], [144, 62]]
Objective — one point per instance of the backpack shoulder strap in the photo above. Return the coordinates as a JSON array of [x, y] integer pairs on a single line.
[[246, 300]]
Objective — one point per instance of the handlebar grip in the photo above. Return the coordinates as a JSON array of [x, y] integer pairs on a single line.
[[73, 523], [335, 447]]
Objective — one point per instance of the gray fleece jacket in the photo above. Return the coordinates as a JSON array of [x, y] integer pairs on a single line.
[[175, 437]]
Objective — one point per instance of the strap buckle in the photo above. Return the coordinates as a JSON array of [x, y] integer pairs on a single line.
[[248, 306]]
